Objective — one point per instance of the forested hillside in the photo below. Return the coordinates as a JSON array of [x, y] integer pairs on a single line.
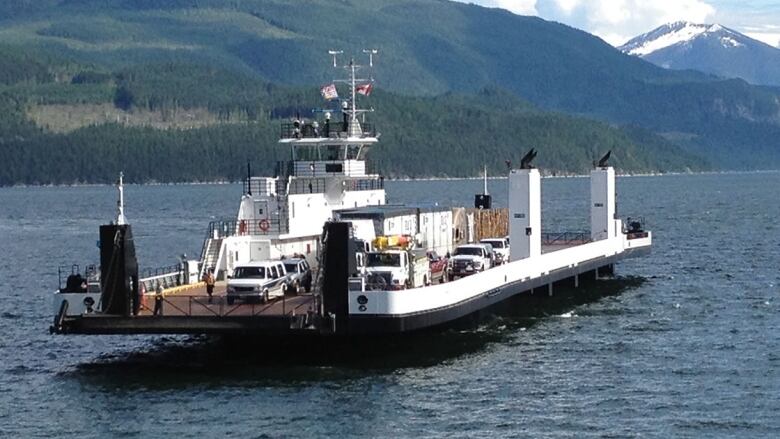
[[238, 120], [428, 47], [456, 82]]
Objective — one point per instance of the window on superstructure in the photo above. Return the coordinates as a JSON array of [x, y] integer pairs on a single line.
[[352, 152], [334, 152], [305, 153], [336, 168]]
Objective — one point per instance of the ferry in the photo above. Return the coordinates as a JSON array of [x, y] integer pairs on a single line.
[[376, 268]]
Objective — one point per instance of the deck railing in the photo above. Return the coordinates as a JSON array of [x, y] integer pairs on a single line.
[[168, 277], [565, 238], [200, 305], [231, 227], [71, 278], [332, 130]]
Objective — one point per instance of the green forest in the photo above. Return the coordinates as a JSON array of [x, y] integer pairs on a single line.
[[190, 90], [446, 135]]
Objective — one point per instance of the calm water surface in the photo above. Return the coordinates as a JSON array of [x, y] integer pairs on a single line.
[[685, 343]]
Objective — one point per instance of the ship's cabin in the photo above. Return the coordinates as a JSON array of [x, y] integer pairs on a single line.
[[327, 159], [327, 149]]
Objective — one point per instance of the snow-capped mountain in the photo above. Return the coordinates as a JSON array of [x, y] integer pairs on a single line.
[[709, 48]]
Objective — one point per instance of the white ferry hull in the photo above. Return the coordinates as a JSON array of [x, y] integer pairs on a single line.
[[387, 312]]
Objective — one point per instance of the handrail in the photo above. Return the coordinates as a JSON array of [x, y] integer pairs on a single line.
[[217, 307], [330, 129], [565, 238], [231, 227], [169, 276]]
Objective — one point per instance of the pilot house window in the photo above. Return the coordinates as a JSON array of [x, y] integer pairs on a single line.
[[334, 168]]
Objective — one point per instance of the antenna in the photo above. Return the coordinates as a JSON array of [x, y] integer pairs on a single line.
[[371, 53], [333, 53], [248, 177], [349, 105]]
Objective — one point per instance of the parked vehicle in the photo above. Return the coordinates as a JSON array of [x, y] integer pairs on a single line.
[[395, 265], [298, 274], [500, 249], [468, 259], [438, 267], [261, 280]]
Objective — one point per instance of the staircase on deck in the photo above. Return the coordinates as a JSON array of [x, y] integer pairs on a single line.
[[210, 258]]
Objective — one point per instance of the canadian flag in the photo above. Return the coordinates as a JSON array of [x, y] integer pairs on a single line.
[[329, 92], [364, 89]]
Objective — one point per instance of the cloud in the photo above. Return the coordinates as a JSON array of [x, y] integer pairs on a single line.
[[773, 39], [768, 33], [616, 21]]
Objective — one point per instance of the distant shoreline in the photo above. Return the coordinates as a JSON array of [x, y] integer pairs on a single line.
[[407, 179]]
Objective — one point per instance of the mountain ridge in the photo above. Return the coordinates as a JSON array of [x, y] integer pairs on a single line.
[[427, 48], [709, 48]]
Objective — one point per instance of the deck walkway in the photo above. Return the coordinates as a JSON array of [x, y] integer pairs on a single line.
[[195, 302]]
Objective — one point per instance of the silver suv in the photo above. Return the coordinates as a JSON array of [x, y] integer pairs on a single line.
[[298, 274], [262, 281]]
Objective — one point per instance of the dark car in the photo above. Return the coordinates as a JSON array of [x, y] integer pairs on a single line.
[[299, 274]]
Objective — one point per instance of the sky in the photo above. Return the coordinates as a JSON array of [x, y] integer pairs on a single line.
[[617, 21]]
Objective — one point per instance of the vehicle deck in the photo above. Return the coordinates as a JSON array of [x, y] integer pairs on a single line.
[[187, 310], [195, 302]]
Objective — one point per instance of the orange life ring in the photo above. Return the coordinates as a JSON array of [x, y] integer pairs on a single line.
[[263, 224]]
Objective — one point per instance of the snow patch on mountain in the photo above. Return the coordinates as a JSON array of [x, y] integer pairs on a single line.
[[680, 32], [675, 35], [708, 48], [730, 42]]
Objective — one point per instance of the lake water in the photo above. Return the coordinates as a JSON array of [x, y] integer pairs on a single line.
[[685, 343]]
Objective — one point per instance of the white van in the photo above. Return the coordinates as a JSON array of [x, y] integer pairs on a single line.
[[262, 281]]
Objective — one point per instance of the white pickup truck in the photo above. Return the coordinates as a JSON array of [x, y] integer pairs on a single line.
[[396, 269], [469, 259], [500, 249]]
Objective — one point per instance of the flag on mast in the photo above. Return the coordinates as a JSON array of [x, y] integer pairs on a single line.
[[364, 89], [329, 92]]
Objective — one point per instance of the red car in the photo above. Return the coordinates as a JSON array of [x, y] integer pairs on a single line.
[[438, 265]]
